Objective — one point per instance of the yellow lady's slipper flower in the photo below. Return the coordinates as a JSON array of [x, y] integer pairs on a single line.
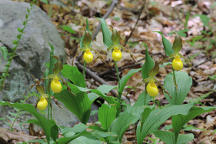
[[177, 63], [152, 89], [56, 85], [42, 103], [116, 54], [88, 56]]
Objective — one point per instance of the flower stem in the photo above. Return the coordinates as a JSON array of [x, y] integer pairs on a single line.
[[119, 93], [176, 88], [174, 79], [49, 108], [84, 70], [118, 77]]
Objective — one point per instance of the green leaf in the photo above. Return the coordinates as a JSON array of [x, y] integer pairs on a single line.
[[177, 45], [87, 40], [49, 126], [101, 134], [166, 136], [124, 120], [213, 77], [52, 60], [68, 29], [109, 99], [185, 138], [77, 135], [169, 137], [155, 70], [143, 118], [179, 121], [124, 79], [148, 65], [186, 20], [115, 38], [85, 137], [159, 116], [49, 68], [167, 46], [40, 141], [205, 19], [73, 74], [182, 33], [183, 82], [15, 42], [85, 140], [20, 30], [101, 91], [44, 1], [106, 115], [33, 121], [4, 52], [143, 99], [72, 133], [138, 132], [105, 88], [106, 33], [19, 36], [78, 104], [66, 140], [201, 97], [87, 26], [88, 32]]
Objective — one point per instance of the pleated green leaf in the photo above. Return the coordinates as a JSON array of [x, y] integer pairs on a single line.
[[72, 73], [106, 115], [159, 116], [148, 65], [183, 82], [167, 46], [179, 121], [107, 35], [49, 126]]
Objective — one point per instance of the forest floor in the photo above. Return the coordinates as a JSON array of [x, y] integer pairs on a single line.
[[194, 20]]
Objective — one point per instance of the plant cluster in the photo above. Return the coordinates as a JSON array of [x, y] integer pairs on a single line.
[[68, 85]]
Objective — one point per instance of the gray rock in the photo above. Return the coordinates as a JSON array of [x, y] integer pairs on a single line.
[[32, 52]]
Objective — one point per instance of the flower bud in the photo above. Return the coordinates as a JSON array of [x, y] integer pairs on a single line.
[[88, 56], [152, 89], [42, 103], [116, 54], [177, 63], [56, 85]]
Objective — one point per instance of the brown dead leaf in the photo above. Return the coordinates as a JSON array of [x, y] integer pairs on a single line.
[[14, 136]]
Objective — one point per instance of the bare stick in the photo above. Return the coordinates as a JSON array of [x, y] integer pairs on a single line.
[[120, 68], [94, 76], [138, 18], [114, 3]]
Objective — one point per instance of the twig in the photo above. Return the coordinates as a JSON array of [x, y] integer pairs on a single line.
[[138, 18], [123, 67], [120, 68], [114, 3], [94, 76]]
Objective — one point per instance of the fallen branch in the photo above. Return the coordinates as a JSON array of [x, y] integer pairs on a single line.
[[120, 69], [94, 76], [114, 3], [138, 18]]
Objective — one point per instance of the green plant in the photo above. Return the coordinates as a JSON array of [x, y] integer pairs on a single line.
[[68, 85], [16, 42], [4, 52]]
